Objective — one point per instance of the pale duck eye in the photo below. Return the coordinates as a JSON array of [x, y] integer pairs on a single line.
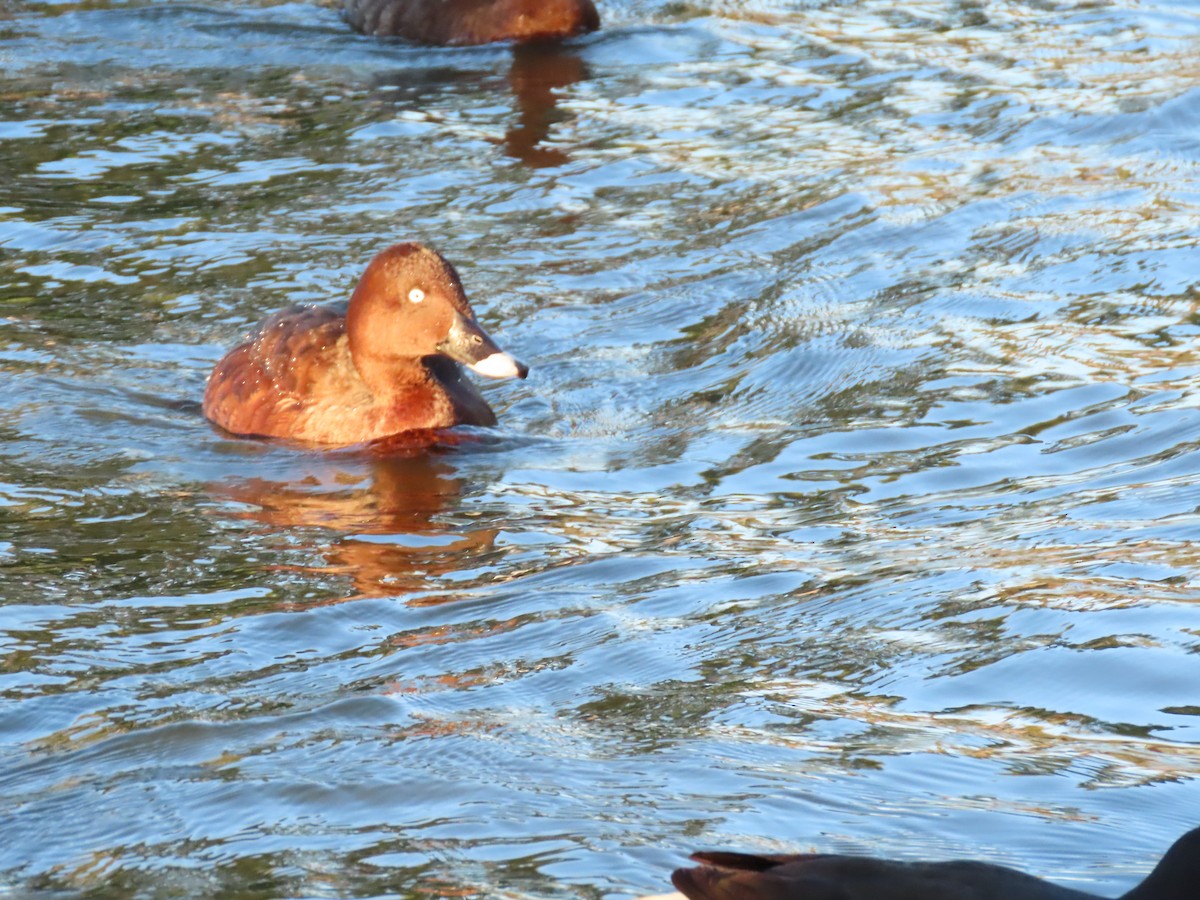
[[416, 295]]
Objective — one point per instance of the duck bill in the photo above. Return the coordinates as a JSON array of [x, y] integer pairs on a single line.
[[470, 345]]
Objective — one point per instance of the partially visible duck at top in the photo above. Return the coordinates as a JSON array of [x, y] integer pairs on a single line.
[[384, 364], [820, 876], [461, 22]]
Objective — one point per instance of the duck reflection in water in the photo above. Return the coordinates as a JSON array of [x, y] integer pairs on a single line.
[[538, 74], [382, 513]]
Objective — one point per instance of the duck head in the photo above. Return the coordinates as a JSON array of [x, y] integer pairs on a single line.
[[410, 304]]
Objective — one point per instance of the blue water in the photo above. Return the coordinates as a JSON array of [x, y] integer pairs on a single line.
[[851, 502]]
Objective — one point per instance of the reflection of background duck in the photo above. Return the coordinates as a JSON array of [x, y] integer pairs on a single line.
[[385, 517], [472, 21], [538, 71], [538, 74]]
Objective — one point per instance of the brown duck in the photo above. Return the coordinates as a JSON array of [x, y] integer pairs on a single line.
[[384, 364], [746, 876], [472, 21]]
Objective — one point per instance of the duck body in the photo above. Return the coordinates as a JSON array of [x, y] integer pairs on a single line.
[[462, 22], [744, 876], [731, 876], [382, 364]]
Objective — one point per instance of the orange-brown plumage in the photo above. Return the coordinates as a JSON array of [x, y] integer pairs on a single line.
[[382, 364], [472, 21]]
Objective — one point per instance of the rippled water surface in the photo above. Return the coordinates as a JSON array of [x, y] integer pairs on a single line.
[[851, 502]]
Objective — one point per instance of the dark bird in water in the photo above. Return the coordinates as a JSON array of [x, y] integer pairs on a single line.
[[820, 876]]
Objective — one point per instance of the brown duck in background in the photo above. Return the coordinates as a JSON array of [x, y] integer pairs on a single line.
[[746, 876], [472, 21], [384, 364]]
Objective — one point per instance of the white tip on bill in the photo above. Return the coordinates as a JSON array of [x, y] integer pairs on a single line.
[[499, 365]]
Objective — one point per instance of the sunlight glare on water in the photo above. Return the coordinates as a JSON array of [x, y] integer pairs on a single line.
[[849, 504]]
